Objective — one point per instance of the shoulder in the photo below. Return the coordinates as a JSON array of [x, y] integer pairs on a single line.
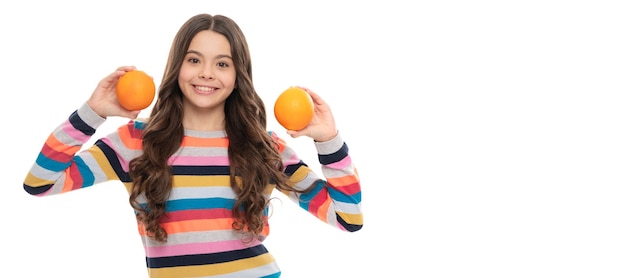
[[133, 129], [139, 123], [280, 143]]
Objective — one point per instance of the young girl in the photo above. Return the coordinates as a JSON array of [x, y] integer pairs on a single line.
[[201, 169]]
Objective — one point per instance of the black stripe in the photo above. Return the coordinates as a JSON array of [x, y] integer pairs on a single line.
[[326, 159], [177, 170], [113, 160], [80, 125], [36, 190], [201, 170], [349, 227], [202, 259], [289, 170]]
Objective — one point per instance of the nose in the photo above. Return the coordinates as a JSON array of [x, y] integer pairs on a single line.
[[206, 73]]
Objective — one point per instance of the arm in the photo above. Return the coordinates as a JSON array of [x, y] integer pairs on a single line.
[[57, 168], [336, 199], [60, 167]]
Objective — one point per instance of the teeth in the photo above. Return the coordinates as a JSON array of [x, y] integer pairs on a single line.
[[205, 89]]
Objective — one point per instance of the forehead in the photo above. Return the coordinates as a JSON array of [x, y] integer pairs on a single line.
[[209, 43]]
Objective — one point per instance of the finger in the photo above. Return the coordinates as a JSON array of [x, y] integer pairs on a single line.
[[133, 114], [304, 88], [293, 133], [297, 133], [317, 99], [126, 68], [119, 72]]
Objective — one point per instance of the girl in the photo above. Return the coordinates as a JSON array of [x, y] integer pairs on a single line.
[[201, 169]]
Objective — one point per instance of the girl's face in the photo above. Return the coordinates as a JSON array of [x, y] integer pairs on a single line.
[[207, 75]]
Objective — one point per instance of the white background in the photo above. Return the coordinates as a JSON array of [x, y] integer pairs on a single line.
[[489, 137]]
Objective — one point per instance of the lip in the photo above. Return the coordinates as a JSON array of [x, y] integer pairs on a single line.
[[202, 89]]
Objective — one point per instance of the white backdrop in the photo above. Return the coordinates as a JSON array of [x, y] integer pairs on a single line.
[[489, 136]]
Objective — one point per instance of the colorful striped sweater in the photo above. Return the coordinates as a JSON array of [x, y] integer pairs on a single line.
[[201, 241]]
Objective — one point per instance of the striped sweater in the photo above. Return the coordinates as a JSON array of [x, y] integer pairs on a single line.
[[198, 219]]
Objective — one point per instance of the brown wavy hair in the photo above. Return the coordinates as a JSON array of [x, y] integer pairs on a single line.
[[253, 154]]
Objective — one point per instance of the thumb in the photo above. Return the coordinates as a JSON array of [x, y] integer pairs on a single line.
[[131, 114], [296, 133]]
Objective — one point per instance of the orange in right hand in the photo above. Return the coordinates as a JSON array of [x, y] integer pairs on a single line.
[[294, 108], [135, 90]]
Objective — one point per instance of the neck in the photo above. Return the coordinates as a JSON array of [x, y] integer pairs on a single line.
[[206, 121]]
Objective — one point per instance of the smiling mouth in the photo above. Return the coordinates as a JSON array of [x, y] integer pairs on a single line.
[[205, 89]]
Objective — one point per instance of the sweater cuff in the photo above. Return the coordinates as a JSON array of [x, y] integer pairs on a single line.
[[89, 116], [331, 146]]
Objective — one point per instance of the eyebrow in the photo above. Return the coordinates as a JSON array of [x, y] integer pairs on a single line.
[[218, 56]]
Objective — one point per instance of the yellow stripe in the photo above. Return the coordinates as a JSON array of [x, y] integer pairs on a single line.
[[201, 181], [34, 181], [128, 186], [212, 269], [300, 174], [356, 219], [103, 162]]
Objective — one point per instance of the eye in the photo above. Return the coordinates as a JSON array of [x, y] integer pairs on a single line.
[[222, 64], [193, 60]]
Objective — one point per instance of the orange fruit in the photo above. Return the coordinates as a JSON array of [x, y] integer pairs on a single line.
[[294, 108], [135, 90]]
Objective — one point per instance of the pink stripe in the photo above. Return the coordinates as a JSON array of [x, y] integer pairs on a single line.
[[341, 164], [123, 162], [293, 159], [341, 227], [197, 248], [74, 133], [195, 160]]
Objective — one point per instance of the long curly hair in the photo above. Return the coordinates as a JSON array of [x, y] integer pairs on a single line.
[[255, 162]]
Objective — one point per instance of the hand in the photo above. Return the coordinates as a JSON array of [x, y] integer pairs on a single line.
[[103, 100], [322, 126]]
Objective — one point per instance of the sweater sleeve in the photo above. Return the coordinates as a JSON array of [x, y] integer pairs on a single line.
[[62, 165], [335, 198]]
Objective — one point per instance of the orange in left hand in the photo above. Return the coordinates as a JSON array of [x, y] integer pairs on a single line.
[[294, 108], [135, 90]]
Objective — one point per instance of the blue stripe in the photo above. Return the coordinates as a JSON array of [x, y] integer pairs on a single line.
[[275, 275], [307, 197], [342, 197], [139, 125], [85, 172], [332, 192], [205, 203], [50, 164]]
